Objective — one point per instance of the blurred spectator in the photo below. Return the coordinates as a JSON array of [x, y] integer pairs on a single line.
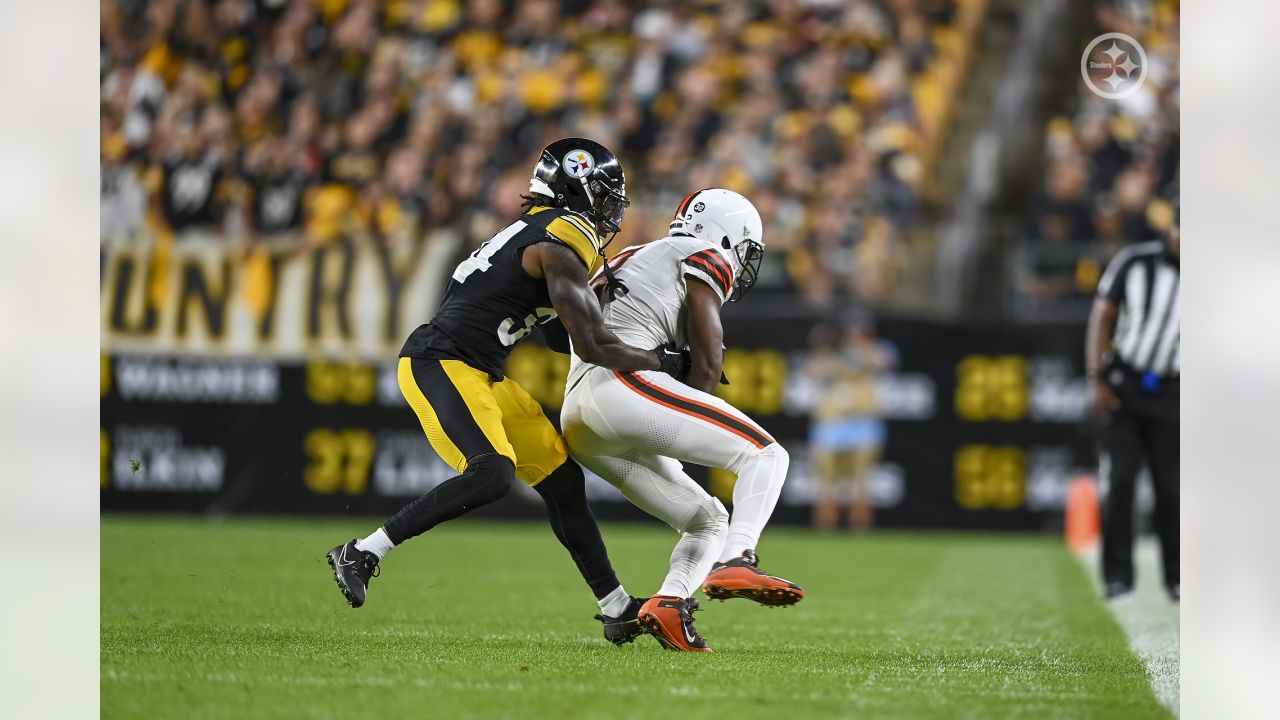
[[847, 434], [355, 119], [1111, 166]]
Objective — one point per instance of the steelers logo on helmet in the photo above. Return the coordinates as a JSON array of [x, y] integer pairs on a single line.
[[578, 163]]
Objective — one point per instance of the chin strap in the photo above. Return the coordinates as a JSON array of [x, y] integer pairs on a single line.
[[613, 287]]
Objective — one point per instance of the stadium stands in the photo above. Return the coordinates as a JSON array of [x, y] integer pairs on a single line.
[[1111, 167], [352, 120]]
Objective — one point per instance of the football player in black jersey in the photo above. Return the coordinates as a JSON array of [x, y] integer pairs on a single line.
[[485, 425]]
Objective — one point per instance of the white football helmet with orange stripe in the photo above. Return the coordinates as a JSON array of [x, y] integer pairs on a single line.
[[729, 220]]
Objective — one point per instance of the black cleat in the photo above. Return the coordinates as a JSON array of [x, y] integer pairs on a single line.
[[1117, 591], [625, 628], [352, 570]]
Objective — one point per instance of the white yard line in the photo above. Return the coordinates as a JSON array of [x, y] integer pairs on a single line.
[[1150, 619]]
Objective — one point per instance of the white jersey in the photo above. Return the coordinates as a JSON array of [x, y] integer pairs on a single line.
[[652, 312]]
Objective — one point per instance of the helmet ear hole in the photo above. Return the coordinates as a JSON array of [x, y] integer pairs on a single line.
[[724, 242]]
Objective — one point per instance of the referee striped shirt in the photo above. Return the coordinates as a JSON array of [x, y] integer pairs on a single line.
[[1143, 281]]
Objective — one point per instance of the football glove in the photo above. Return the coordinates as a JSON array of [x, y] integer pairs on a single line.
[[673, 361]]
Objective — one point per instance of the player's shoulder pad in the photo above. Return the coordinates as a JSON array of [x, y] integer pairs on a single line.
[[708, 263], [576, 232]]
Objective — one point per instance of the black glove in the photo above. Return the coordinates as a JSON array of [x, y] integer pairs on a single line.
[[555, 335], [673, 361]]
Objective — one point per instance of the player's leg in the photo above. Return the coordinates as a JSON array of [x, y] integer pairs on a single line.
[[657, 413], [461, 418], [660, 487], [544, 463]]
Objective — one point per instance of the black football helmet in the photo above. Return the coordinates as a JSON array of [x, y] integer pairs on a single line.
[[583, 176]]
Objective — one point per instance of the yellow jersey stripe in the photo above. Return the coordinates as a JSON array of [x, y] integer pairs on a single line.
[[573, 235], [584, 227]]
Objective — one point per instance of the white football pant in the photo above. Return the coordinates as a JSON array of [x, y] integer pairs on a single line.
[[634, 428]]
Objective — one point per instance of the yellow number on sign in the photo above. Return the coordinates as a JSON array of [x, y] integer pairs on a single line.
[[989, 477], [340, 460], [756, 380], [329, 383], [991, 388], [541, 371], [720, 482]]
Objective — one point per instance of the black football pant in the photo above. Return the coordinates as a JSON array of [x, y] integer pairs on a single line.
[[1144, 431]]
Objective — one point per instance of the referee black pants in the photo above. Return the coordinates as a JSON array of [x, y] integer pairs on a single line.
[[1144, 431]]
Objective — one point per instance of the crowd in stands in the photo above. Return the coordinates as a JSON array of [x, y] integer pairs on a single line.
[[1111, 166], [362, 121]]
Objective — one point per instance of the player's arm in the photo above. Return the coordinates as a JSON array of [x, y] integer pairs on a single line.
[[579, 310], [706, 335]]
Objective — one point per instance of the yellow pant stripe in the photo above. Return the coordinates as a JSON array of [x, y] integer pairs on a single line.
[[477, 392], [440, 441]]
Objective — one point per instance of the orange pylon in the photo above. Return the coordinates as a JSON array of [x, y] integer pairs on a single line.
[[1083, 522]]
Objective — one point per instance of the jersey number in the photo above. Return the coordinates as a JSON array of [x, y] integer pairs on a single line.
[[478, 261], [509, 332]]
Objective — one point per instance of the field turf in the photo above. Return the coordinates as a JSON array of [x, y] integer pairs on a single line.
[[241, 619]]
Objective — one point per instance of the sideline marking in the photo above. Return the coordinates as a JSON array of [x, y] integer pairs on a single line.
[[1149, 619]]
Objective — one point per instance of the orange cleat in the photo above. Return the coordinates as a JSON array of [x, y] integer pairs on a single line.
[[741, 577], [670, 619]]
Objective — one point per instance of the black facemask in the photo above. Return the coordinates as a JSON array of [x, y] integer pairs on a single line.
[[611, 206], [749, 253]]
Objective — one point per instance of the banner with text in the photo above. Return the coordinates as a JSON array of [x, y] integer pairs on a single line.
[[265, 383]]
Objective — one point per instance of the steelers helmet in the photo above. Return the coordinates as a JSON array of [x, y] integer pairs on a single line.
[[728, 220], [583, 176]]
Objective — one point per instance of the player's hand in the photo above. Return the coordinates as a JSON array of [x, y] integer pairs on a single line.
[[1102, 401], [673, 361]]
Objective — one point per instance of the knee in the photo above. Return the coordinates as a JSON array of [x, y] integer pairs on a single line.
[[711, 518], [775, 449], [492, 476], [564, 487], [772, 455]]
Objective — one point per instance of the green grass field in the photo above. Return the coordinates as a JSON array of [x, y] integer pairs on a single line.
[[241, 619]]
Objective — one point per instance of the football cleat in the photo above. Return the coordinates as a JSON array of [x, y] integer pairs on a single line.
[[670, 619], [624, 628], [352, 570], [741, 577]]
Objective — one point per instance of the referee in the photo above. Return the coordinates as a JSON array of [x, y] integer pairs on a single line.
[[1132, 362]]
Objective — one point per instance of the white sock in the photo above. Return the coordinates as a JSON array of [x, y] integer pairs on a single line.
[[615, 603], [378, 543], [755, 494]]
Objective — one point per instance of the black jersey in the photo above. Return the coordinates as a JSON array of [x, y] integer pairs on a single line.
[[277, 201], [491, 302], [190, 193]]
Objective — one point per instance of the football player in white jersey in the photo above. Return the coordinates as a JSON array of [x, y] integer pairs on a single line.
[[635, 428]]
